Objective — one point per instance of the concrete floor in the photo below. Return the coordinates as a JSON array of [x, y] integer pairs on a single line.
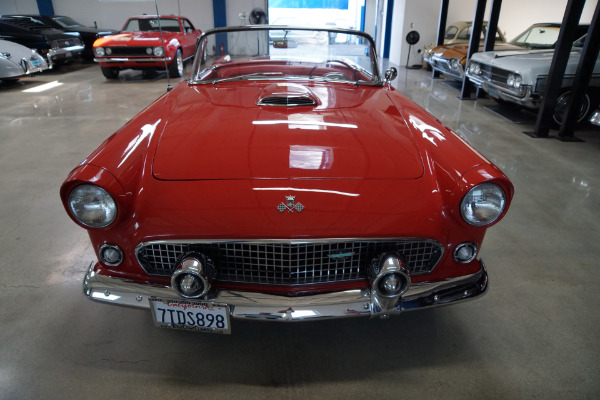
[[534, 335]]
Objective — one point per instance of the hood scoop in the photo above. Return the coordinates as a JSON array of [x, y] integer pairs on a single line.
[[287, 95]]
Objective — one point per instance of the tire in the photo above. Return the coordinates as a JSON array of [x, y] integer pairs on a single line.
[[110, 73], [561, 107], [176, 66]]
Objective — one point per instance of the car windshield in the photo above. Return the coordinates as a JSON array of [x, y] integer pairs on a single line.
[[278, 52], [538, 37], [152, 24], [66, 22]]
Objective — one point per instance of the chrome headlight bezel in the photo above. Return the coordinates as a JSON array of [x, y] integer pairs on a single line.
[[158, 51], [92, 206], [475, 68], [454, 63], [99, 51], [483, 204]]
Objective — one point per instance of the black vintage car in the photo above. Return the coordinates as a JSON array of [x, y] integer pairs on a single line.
[[68, 24], [55, 45]]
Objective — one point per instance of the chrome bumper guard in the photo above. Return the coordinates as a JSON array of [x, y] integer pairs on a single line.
[[348, 303]]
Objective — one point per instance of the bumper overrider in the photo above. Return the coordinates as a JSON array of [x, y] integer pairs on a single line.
[[373, 301]]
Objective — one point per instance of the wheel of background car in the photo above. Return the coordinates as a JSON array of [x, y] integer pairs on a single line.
[[110, 73], [561, 107], [176, 66]]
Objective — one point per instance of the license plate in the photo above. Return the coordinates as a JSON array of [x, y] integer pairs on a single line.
[[493, 92], [68, 54], [190, 315], [35, 62]]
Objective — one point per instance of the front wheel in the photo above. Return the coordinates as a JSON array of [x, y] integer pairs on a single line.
[[110, 73], [560, 108], [176, 66]]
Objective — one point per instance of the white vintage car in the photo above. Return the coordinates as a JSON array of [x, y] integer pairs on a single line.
[[17, 61], [521, 78]]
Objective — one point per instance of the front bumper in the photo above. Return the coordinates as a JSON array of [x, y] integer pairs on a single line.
[[525, 99], [253, 305], [442, 65], [62, 53]]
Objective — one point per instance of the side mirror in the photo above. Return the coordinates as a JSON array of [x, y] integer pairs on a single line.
[[390, 74]]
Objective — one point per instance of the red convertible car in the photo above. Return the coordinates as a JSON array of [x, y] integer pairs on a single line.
[[148, 42], [285, 181]]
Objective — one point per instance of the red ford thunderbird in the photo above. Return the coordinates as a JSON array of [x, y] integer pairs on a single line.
[[148, 42], [285, 180]]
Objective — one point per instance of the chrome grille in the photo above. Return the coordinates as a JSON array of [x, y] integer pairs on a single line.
[[289, 262]]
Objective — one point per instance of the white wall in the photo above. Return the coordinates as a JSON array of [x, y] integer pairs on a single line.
[[515, 17], [18, 7]]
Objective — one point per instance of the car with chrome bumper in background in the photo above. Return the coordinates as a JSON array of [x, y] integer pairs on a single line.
[[451, 60], [284, 181], [56, 46], [148, 42], [521, 78], [18, 61], [457, 33], [67, 24]]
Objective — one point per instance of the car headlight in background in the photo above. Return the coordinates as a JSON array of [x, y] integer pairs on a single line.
[[92, 206], [158, 51], [483, 204], [454, 63], [475, 68], [99, 51], [514, 80]]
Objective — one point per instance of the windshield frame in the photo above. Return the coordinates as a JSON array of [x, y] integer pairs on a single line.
[[198, 67]]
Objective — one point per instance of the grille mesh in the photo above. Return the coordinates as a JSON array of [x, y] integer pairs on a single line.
[[283, 263]]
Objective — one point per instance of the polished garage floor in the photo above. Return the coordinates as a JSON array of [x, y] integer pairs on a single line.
[[536, 334]]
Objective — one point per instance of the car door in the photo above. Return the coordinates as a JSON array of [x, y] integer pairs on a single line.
[[190, 34]]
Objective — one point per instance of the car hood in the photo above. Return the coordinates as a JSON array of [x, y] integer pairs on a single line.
[[527, 63], [460, 50], [132, 39], [219, 132]]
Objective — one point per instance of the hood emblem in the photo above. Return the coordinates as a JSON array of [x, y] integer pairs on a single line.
[[289, 205]]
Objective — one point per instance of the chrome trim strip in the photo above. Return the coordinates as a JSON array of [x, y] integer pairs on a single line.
[[252, 305], [64, 50], [126, 59]]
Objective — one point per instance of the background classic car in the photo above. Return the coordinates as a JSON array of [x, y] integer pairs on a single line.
[[57, 46], [451, 59], [520, 78], [457, 33], [329, 195], [18, 61], [67, 24], [148, 43]]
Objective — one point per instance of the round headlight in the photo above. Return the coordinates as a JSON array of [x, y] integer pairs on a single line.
[[518, 81], [108, 51], [99, 51], [92, 206], [454, 63], [476, 69], [510, 81], [483, 204], [158, 51], [149, 51]]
